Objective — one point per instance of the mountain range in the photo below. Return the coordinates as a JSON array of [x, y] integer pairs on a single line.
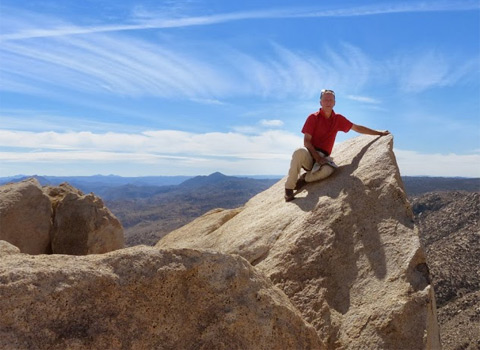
[[111, 187]]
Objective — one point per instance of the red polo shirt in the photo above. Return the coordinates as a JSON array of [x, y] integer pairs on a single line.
[[324, 130]]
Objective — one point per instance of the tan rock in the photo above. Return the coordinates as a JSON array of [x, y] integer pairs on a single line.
[[58, 219], [25, 216], [82, 224], [7, 248], [345, 251], [145, 298]]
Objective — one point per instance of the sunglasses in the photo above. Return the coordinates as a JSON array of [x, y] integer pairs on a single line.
[[326, 91]]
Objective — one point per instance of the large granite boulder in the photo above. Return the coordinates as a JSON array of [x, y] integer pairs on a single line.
[[25, 216], [145, 298], [346, 251], [56, 219]]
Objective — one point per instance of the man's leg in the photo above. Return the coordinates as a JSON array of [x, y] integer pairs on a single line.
[[301, 158], [324, 172]]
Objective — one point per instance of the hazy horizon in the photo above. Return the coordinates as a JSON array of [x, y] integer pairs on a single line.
[[269, 176]]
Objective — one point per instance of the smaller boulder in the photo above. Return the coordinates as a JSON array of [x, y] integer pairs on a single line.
[[8, 249], [25, 216], [82, 224]]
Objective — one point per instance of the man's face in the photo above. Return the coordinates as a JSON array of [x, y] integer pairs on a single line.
[[327, 101]]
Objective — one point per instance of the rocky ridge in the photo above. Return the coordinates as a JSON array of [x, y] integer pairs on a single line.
[[346, 251]]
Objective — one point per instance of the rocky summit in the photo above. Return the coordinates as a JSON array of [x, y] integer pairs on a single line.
[[144, 298], [345, 251], [56, 219]]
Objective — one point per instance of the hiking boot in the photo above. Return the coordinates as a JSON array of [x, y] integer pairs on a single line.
[[300, 182], [289, 195]]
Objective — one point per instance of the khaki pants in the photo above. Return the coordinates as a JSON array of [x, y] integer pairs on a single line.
[[301, 158]]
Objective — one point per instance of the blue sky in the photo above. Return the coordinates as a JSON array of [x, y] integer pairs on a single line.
[[192, 87]]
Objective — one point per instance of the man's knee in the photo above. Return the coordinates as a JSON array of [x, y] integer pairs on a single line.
[[302, 158], [300, 153]]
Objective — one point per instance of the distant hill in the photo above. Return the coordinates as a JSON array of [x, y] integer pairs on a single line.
[[417, 185], [148, 216], [118, 187], [101, 184]]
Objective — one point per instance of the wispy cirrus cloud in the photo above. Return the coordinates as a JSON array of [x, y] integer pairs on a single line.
[[125, 66], [121, 65], [271, 123], [150, 20], [117, 65], [364, 99], [106, 59], [422, 71]]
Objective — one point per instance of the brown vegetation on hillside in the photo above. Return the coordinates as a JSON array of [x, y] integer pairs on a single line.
[[449, 230]]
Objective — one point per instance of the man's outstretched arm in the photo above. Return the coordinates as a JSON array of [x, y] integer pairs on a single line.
[[364, 130]]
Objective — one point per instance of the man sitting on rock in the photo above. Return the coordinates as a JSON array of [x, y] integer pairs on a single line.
[[320, 131]]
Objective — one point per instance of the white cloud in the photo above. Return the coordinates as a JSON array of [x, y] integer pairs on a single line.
[[364, 99], [413, 163], [161, 151], [167, 151], [159, 143], [271, 123]]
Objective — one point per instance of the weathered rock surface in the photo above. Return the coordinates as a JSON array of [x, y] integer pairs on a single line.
[[7, 249], [345, 251], [82, 224], [25, 216], [56, 219], [145, 298]]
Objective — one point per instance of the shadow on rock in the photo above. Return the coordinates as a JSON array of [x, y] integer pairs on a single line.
[[347, 228]]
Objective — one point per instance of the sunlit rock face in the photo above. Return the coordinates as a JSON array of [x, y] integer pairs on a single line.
[[144, 298], [345, 251]]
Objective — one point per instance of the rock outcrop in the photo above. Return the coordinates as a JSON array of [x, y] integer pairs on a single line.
[[82, 224], [8, 248], [346, 251], [144, 298], [25, 216], [56, 219]]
